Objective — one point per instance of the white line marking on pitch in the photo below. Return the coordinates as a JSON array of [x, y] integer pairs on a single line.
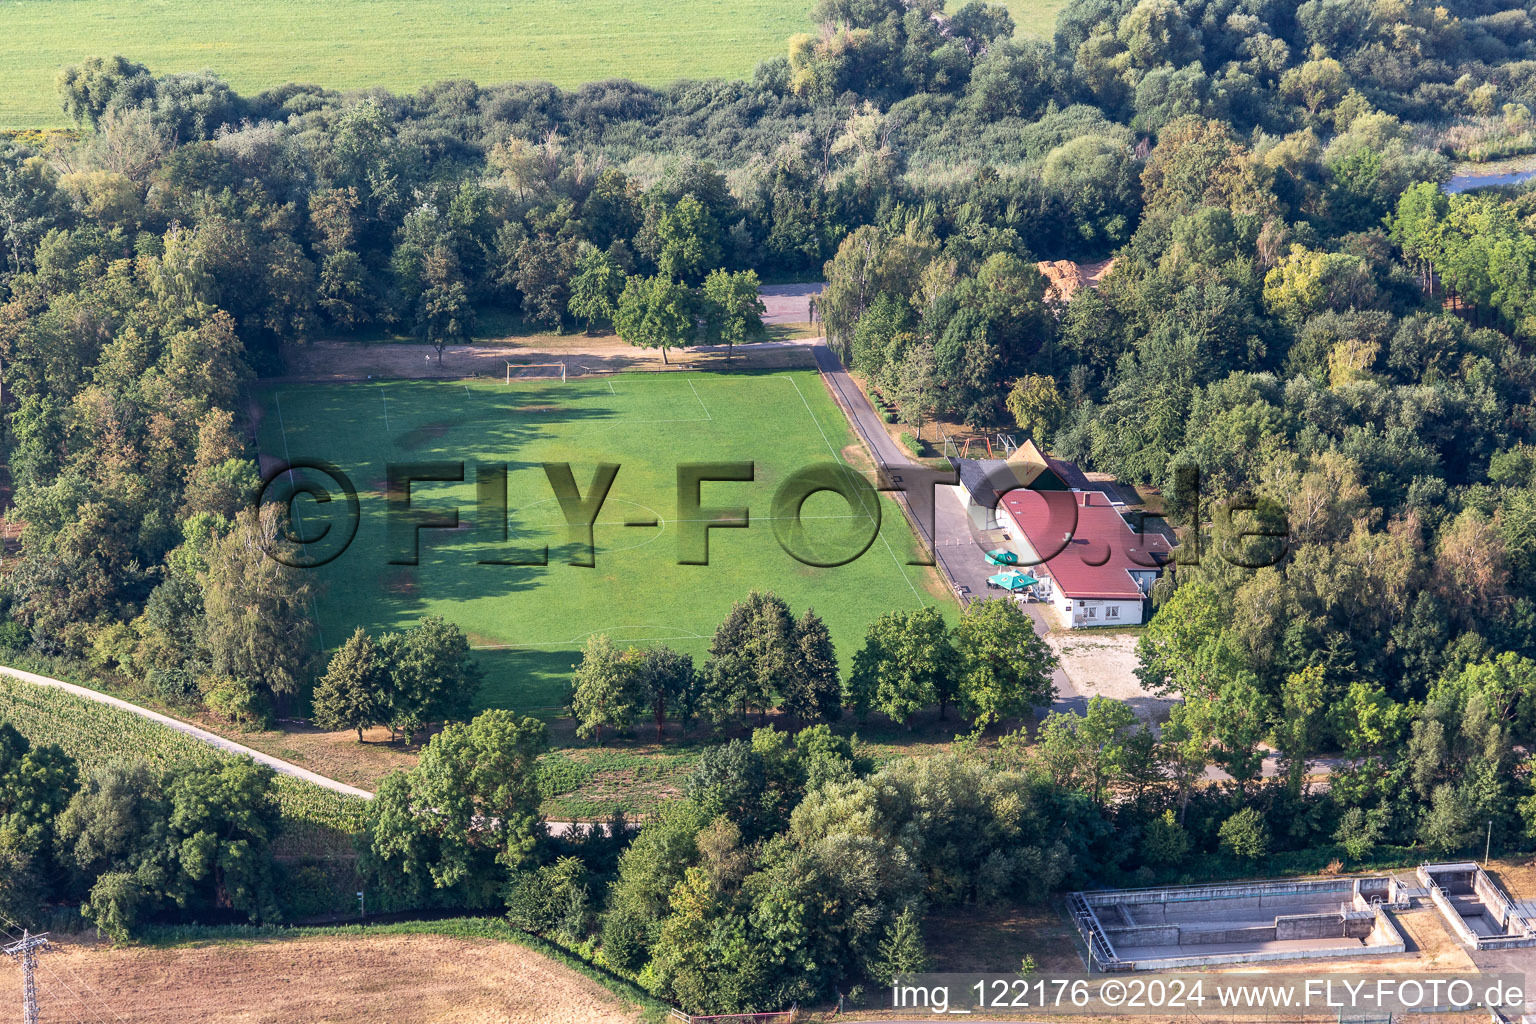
[[700, 400]]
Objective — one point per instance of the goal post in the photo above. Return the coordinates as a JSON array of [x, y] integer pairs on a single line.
[[535, 371]]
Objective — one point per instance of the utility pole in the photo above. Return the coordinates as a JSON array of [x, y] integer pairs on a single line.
[[1488, 848], [25, 953]]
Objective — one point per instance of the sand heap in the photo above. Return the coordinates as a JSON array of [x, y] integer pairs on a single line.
[[1063, 277]]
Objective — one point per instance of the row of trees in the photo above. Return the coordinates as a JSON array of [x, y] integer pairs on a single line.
[[1481, 248], [128, 843], [795, 866], [790, 868], [403, 680], [760, 657], [991, 663]]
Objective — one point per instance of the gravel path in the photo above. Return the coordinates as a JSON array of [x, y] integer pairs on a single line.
[[203, 735]]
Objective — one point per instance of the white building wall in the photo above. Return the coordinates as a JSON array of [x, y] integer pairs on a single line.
[[1089, 612]]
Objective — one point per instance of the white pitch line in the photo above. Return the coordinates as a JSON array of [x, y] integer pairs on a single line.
[[384, 395], [700, 400]]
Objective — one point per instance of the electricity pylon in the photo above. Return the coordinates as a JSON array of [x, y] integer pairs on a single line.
[[25, 953]]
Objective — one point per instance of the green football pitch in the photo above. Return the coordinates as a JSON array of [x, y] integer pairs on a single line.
[[528, 622]]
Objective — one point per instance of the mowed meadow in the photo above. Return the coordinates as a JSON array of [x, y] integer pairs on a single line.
[[530, 622], [401, 44]]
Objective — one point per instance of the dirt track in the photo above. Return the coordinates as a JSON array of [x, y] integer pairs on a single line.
[[604, 353], [406, 979]]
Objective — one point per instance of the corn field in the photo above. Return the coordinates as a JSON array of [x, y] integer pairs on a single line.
[[316, 821]]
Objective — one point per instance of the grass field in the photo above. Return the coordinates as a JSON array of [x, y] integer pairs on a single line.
[[400, 44], [528, 623]]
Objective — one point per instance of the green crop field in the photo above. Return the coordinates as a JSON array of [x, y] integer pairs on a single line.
[[400, 44], [98, 735], [529, 622]]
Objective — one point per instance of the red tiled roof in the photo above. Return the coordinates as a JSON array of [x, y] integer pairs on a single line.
[[1102, 548]]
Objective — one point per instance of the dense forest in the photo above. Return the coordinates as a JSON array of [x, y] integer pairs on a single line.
[[1297, 313]]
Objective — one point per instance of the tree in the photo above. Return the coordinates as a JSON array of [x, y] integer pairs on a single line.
[[354, 692], [664, 680], [471, 801], [1366, 720], [36, 782], [1165, 842], [812, 689], [751, 653], [433, 675], [87, 90], [23, 891], [689, 240], [1037, 406], [733, 313], [906, 664], [1238, 717], [595, 287], [1308, 282], [257, 609], [221, 823], [1185, 748], [1359, 831], [1245, 834], [655, 312], [901, 952], [117, 812], [539, 900], [605, 690], [543, 275], [444, 314], [1086, 751], [732, 779], [917, 386], [197, 837], [1303, 707], [1166, 651], [1005, 667], [649, 871]]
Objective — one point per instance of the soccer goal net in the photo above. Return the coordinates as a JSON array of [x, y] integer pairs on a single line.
[[535, 371]]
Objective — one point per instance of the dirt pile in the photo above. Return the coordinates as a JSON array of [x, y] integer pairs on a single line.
[[1063, 277]]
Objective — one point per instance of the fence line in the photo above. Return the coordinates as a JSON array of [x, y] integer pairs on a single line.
[[787, 1016]]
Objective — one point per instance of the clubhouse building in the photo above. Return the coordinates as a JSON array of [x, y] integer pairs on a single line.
[[1070, 533]]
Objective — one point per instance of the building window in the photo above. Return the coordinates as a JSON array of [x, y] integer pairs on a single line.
[[1092, 611], [1112, 612]]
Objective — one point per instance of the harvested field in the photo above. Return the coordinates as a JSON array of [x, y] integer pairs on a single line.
[[420, 979]]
